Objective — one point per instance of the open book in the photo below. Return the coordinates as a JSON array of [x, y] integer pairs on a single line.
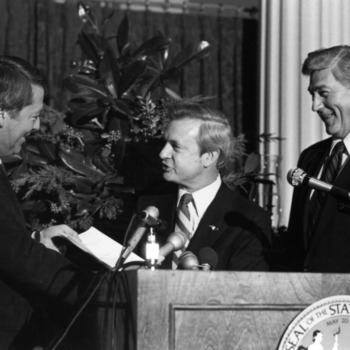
[[101, 247]]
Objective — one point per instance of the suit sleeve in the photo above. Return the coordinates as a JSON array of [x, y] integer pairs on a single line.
[[247, 236], [250, 249], [26, 265]]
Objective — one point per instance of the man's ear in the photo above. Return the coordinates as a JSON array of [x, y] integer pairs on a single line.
[[210, 158]]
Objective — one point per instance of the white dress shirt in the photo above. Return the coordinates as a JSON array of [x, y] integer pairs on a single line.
[[201, 201]]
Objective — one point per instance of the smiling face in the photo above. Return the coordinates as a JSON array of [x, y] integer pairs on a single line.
[[182, 162], [14, 127], [331, 101]]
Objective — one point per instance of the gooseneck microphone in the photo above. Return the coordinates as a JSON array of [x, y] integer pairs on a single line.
[[175, 241], [188, 261], [298, 177], [137, 235], [208, 259], [150, 217]]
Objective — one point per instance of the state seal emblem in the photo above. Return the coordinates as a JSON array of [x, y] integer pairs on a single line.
[[324, 325]]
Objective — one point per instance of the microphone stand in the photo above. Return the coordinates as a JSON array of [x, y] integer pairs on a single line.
[[152, 250]]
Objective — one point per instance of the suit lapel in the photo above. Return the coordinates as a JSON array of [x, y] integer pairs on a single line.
[[330, 205], [212, 224], [313, 165]]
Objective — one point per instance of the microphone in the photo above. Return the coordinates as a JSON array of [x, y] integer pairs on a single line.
[[208, 258], [188, 261], [175, 241], [136, 237], [297, 177], [150, 217]]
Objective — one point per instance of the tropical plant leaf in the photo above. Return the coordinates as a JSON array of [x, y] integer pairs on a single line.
[[122, 107], [108, 18], [82, 85], [153, 45], [123, 34], [88, 47], [48, 150], [131, 74], [109, 72], [189, 54], [80, 164], [84, 111], [87, 16], [36, 159], [103, 164], [82, 184]]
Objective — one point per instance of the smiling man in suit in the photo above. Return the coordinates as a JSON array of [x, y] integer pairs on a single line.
[[198, 145], [319, 239]]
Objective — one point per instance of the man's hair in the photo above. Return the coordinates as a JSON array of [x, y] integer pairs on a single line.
[[16, 79], [215, 133], [336, 58]]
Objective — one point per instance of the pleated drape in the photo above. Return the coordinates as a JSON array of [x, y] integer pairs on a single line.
[[45, 33]]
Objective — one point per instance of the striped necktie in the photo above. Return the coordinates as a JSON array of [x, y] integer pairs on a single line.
[[183, 223], [329, 174]]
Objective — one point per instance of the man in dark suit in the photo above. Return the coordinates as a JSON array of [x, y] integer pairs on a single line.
[[32, 272], [319, 239], [198, 145]]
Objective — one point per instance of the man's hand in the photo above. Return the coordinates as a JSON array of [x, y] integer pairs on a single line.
[[54, 231]]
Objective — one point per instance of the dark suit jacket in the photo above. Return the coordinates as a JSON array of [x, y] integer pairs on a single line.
[[329, 248], [30, 274], [233, 226]]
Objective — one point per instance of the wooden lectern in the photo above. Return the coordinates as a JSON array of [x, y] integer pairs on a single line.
[[195, 310]]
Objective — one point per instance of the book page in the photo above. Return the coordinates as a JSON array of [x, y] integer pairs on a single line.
[[104, 248]]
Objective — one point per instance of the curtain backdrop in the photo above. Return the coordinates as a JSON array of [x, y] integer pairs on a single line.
[[45, 33]]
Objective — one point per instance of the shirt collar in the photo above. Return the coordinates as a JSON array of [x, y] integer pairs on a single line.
[[346, 141], [203, 197]]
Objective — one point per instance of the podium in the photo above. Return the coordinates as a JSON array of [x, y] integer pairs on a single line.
[[195, 310]]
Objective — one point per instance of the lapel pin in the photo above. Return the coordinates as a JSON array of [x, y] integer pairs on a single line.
[[213, 228]]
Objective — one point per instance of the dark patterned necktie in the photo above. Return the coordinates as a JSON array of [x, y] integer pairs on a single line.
[[330, 172], [183, 223]]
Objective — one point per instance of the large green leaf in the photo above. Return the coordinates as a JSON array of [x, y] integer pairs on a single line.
[[48, 150], [153, 45], [109, 71], [82, 184], [84, 111], [189, 54], [89, 48], [121, 106], [148, 82], [131, 73], [103, 164], [82, 85], [123, 34], [80, 164], [87, 16]]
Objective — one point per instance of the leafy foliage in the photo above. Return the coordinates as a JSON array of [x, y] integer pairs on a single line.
[[117, 95]]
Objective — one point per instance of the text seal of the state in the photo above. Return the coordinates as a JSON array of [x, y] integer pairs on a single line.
[[324, 325]]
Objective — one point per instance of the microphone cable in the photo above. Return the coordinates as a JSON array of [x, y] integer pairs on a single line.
[[56, 341]]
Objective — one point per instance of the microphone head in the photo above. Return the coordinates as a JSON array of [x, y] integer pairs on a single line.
[[149, 217], [152, 211], [208, 257], [188, 261], [177, 239], [296, 177]]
